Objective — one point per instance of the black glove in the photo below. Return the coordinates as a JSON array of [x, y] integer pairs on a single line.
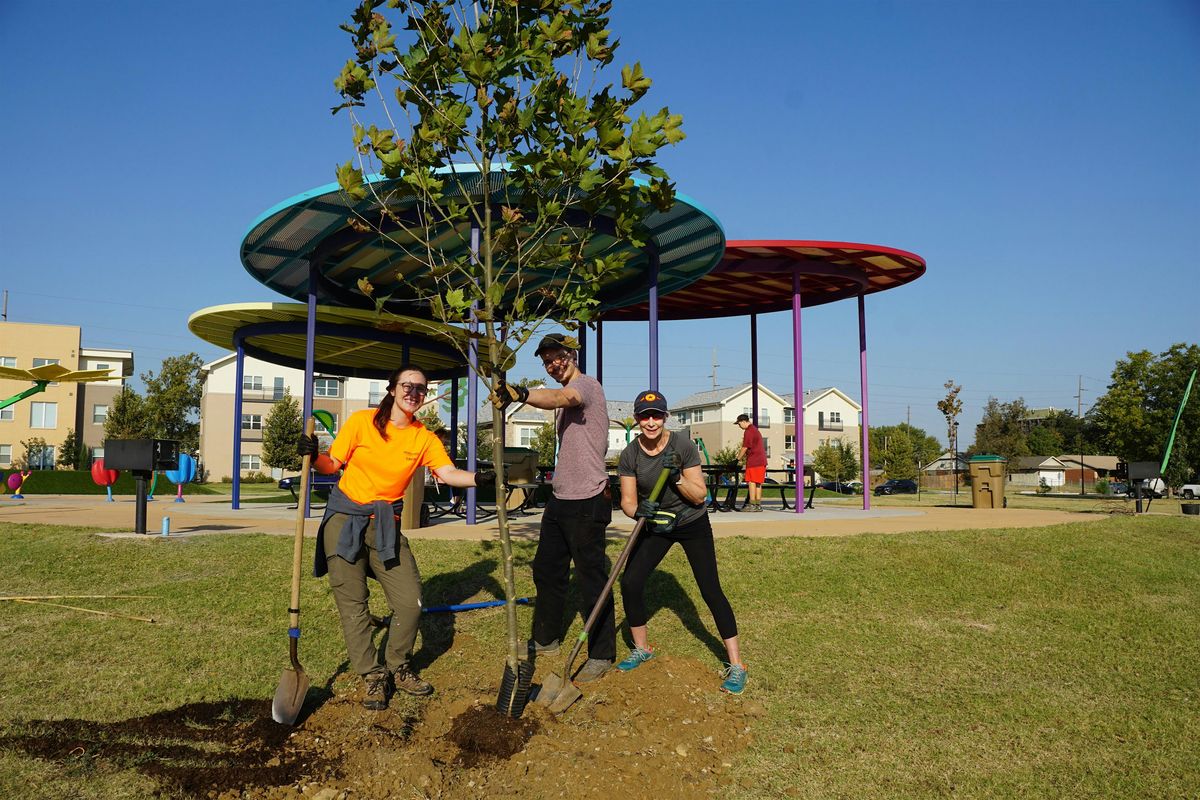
[[671, 462], [506, 394], [646, 510], [308, 446], [485, 477]]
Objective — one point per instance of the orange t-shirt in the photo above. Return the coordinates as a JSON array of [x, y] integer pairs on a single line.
[[378, 468]]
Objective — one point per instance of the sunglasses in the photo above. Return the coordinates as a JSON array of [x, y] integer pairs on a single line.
[[414, 389], [558, 359], [652, 415]]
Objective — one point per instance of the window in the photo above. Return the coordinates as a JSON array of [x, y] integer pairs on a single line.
[[6, 414], [41, 362], [789, 416], [789, 441], [698, 415], [43, 415], [252, 422], [527, 435], [41, 457], [764, 418], [102, 366], [767, 446], [99, 414], [277, 389], [97, 453], [326, 387], [8, 361], [683, 417], [835, 416], [251, 462], [375, 393], [5, 454], [252, 383]]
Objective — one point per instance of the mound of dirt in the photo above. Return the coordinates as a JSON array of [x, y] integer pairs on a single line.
[[662, 731]]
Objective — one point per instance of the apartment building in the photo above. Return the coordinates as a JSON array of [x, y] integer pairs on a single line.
[[49, 415], [264, 384], [829, 414]]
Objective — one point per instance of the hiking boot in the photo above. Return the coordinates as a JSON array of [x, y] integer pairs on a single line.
[[593, 669], [636, 657], [735, 679], [410, 682], [539, 649], [378, 689]]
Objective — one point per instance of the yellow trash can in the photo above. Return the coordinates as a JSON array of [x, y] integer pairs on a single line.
[[987, 481]]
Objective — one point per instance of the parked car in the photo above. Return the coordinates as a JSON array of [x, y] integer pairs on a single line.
[[1118, 487], [1189, 491], [897, 486], [1154, 488], [836, 486]]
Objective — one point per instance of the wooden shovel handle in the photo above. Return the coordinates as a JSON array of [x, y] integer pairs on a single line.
[[298, 546]]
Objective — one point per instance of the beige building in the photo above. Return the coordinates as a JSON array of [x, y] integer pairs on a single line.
[[51, 414], [263, 384]]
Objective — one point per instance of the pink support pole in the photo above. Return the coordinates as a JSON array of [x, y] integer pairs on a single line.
[[862, 376], [798, 387]]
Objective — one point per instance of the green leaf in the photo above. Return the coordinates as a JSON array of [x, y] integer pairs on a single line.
[[351, 181]]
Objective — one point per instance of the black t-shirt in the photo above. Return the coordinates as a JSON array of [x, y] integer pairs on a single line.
[[637, 463]]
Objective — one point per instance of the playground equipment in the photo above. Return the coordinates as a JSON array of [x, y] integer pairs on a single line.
[[46, 374], [16, 481], [186, 473], [102, 476]]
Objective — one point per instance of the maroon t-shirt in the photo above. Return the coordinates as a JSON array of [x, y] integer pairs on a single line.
[[756, 454]]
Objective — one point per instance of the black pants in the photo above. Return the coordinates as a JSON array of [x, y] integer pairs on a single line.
[[573, 530], [648, 551]]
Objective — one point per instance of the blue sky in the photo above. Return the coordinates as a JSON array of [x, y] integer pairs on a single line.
[[1043, 157]]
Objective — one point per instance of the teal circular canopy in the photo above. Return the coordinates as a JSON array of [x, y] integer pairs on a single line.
[[322, 227]]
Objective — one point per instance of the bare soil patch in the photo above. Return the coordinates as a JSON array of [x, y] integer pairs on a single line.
[[661, 731]]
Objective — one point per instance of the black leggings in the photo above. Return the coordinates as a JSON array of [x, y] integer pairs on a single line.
[[650, 548]]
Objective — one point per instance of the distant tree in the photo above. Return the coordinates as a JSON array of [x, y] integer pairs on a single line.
[[173, 400], [1001, 430], [951, 407], [281, 429], [836, 461], [33, 454], [127, 417], [69, 452], [886, 447], [1045, 441], [545, 442]]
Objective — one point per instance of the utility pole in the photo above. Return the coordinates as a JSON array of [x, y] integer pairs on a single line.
[[908, 416], [1079, 434], [714, 369]]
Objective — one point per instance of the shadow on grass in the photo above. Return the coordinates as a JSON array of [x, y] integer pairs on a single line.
[[664, 592], [450, 588]]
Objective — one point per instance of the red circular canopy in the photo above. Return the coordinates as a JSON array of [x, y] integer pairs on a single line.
[[755, 277]]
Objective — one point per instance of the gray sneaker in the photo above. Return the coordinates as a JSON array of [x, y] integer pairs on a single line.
[[593, 669], [539, 649]]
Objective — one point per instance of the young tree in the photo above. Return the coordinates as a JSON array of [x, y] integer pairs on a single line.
[[173, 400], [281, 430], [836, 461], [127, 418], [504, 88], [430, 419], [69, 455]]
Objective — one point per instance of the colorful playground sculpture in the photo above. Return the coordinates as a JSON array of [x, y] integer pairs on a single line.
[[104, 477], [186, 473], [16, 481], [46, 374]]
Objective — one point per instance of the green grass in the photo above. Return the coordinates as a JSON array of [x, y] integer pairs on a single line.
[[1052, 662]]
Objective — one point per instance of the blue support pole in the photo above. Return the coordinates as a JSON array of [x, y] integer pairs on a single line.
[[473, 391], [454, 420], [582, 347], [600, 351]]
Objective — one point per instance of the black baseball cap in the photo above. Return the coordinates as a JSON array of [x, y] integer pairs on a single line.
[[742, 418], [554, 341], [649, 400]]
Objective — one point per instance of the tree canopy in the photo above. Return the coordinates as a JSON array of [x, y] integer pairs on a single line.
[[836, 460], [281, 430], [172, 402]]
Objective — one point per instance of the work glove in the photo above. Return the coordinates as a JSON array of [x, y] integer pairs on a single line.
[[671, 462], [506, 394], [485, 477], [308, 446], [646, 510]]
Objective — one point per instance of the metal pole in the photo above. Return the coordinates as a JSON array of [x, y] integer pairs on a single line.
[[237, 421], [582, 347], [600, 352], [862, 377], [310, 343], [473, 391], [454, 419], [653, 298], [754, 368], [798, 388]]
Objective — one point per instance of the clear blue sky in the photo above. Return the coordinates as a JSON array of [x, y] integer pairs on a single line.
[[1043, 157]]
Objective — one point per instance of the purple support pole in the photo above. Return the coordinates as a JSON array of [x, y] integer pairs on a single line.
[[754, 367], [798, 388], [653, 297], [582, 348], [454, 419], [862, 377], [473, 392], [310, 344], [237, 423], [600, 352]]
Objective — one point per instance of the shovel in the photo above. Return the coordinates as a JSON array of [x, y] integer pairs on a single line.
[[293, 684], [558, 691]]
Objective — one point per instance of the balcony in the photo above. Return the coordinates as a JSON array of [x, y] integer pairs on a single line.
[[826, 425], [262, 395]]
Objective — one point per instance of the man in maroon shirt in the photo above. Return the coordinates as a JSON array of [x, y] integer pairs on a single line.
[[755, 454]]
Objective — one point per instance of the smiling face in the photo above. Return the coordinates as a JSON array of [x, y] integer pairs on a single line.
[[410, 391], [651, 424], [559, 364]]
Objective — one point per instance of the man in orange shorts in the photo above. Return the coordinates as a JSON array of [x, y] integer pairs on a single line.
[[755, 455]]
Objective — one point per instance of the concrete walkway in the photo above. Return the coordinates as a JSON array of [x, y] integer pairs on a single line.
[[209, 514]]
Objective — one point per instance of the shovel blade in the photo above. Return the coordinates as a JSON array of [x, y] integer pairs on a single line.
[[552, 684], [289, 696], [565, 698]]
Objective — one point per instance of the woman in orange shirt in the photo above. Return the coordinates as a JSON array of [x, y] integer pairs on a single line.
[[380, 450]]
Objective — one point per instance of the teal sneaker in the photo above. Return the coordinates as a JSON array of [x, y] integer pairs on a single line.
[[735, 679], [636, 657]]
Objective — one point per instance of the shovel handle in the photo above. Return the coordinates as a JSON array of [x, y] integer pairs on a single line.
[[612, 577], [298, 545]]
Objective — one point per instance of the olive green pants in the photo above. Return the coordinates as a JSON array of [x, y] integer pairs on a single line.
[[401, 584]]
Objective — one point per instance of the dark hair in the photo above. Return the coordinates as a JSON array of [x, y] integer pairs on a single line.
[[384, 412]]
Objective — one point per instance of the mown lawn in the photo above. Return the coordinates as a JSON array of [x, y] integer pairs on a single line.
[[1060, 662]]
